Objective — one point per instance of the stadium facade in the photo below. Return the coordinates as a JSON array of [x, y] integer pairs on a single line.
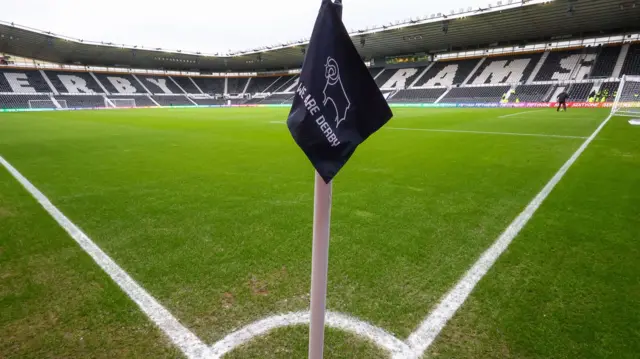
[[515, 54]]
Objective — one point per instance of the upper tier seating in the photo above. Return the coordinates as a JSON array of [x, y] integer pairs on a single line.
[[210, 85], [186, 84], [505, 69], [565, 65], [159, 84], [22, 81], [475, 94], [235, 85], [260, 84], [399, 78], [607, 57], [447, 73], [632, 62], [73, 82], [120, 83], [287, 84]]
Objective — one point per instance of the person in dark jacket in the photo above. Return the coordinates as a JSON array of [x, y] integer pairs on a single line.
[[562, 101]]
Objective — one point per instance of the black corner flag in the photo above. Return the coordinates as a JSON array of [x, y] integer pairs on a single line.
[[337, 104]]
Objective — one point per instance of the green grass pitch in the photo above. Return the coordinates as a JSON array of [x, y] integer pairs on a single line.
[[210, 210]]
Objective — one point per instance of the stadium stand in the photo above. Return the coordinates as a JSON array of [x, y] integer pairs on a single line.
[[475, 94], [417, 95], [568, 65], [120, 83], [632, 62], [399, 78], [73, 82], [172, 100], [209, 101], [140, 100], [82, 101], [611, 89], [533, 93], [606, 61], [261, 84], [159, 84], [210, 85], [288, 84], [186, 84], [505, 69], [235, 85], [447, 73], [22, 81], [21, 101], [278, 99], [580, 92]]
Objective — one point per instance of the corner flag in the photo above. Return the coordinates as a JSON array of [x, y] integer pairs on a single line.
[[336, 107], [337, 103]]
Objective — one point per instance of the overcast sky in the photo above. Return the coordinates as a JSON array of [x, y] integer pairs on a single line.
[[208, 26]]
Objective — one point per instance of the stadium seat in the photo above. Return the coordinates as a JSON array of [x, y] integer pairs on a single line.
[[606, 61], [22, 81], [186, 84], [73, 82], [172, 100], [210, 85], [475, 94], [82, 101], [579, 92], [505, 69], [261, 84], [632, 62], [562, 65], [399, 78], [160, 84], [120, 83], [532, 93], [236, 85], [417, 95], [447, 73]]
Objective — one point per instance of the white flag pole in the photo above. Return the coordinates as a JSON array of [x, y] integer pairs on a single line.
[[320, 258], [319, 265]]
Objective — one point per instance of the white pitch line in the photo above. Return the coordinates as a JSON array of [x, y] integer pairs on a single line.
[[468, 131], [189, 343], [349, 324], [423, 337], [483, 132], [520, 113]]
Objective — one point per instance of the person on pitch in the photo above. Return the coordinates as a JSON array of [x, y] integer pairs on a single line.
[[562, 100]]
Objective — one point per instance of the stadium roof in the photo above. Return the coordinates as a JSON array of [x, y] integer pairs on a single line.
[[515, 22]]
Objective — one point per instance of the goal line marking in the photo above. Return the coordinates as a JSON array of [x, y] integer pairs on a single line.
[[189, 343], [522, 113]]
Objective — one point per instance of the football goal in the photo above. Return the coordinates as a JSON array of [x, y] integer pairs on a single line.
[[46, 104], [121, 102], [627, 100]]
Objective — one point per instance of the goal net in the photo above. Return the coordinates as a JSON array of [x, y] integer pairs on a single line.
[[627, 99], [122, 102], [41, 104]]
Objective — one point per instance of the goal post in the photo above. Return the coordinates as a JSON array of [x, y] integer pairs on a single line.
[[62, 103], [123, 102], [627, 100]]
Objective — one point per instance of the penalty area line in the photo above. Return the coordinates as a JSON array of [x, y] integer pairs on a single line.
[[430, 328], [522, 113], [189, 343]]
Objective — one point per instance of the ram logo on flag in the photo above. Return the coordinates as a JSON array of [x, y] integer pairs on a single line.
[[337, 103], [339, 99]]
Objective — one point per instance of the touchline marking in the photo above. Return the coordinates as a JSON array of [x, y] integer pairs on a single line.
[[520, 113], [423, 337], [482, 132], [189, 343], [466, 131]]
